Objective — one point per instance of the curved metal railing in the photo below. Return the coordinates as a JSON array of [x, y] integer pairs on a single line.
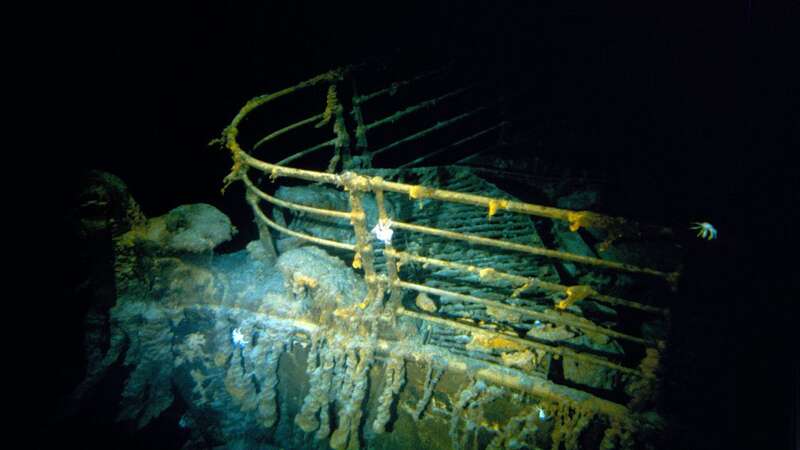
[[357, 186]]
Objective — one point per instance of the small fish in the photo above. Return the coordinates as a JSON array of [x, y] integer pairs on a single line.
[[425, 303], [704, 230]]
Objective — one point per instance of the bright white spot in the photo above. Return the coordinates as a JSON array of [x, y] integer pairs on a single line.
[[238, 338], [542, 413], [383, 231]]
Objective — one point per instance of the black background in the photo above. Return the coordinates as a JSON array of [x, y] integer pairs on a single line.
[[694, 102]]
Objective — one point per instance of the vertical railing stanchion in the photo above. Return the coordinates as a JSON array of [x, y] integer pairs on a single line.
[[264, 236], [365, 161], [356, 185], [391, 262]]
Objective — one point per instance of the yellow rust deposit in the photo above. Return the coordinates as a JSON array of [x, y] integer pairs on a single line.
[[650, 362], [301, 280], [356, 217], [503, 314], [236, 389], [354, 182], [522, 289], [569, 422], [486, 273], [330, 105], [357, 261], [494, 205], [577, 219], [425, 303], [525, 359], [419, 192], [344, 312], [574, 295], [615, 227], [220, 359], [486, 341]]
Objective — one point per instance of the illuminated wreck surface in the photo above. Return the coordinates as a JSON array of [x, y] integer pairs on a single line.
[[415, 306]]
